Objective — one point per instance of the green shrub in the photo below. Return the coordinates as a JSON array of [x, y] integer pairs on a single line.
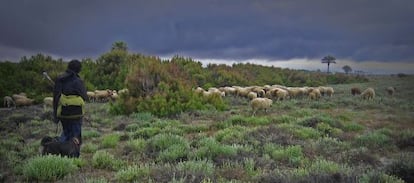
[[196, 167], [134, 173], [163, 141], [136, 145], [378, 176], [104, 160], [146, 132], [111, 140], [230, 135], [353, 127], [89, 148], [374, 139], [174, 152], [291, 154], [328, 130], [402, 167], [87, 134], [48, 168], [322, 166], [209, 148]]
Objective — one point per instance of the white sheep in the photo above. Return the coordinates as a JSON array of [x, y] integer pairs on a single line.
[[8, 102], [47, 102], [314, 94], [103, 95], [24, 101], [252, 95], [369, 94], [260, 103], [91, 96]]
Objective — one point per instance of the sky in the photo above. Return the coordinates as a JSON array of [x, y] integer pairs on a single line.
[[374, 36]]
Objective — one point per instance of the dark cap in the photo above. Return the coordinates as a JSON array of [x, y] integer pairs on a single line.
[[75, 66]]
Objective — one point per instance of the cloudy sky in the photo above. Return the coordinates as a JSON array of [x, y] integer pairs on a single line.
[[370, 35]]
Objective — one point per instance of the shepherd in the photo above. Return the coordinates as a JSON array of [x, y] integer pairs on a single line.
[[69, 96]]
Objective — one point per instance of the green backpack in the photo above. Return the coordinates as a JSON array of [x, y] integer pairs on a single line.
[[70, 107]]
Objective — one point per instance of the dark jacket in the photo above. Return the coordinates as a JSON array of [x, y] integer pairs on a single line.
[[69, 83]]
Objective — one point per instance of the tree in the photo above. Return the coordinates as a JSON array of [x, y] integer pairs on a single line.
[[119, 45], [328, 59], [347, 69]]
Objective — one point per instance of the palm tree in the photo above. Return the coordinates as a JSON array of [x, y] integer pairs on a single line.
[[119, 45], [328, 59]]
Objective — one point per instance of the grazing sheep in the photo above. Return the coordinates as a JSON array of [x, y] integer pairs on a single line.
[[124, 91], [369, 93], [8, 102], [278, 93], [391, 90], [23, 102], [91, 96], [355, 91], [314, 94], [329, 91], [252, 95], [103, 95], [19, 96], [260, 103], [47, 102], [54, 146]]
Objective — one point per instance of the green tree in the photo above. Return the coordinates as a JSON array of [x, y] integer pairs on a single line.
[[347, 69], [119, 45], [328, 60]]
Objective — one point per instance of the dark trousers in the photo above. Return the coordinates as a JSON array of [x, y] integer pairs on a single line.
[[71, 128]]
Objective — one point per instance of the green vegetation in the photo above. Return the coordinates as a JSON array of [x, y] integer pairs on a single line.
[[48, 168], [162, 133]]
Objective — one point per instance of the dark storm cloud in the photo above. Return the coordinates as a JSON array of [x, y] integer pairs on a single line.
[[233, 29]]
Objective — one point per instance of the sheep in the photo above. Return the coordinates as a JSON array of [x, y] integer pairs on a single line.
[[281, 94], [47, 102], [355, 91], [314, 94], [19, 96], [369, 93], [260, 103], [124, 91], [114, 95], [329, 91], [252, 95], [8, 102], [91, 96], [391, 90], [23, 101], [103, 95]]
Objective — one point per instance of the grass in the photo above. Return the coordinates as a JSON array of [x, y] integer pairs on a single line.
[[339, 138]]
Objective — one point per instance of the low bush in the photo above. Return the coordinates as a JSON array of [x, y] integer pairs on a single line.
[[48, 168]]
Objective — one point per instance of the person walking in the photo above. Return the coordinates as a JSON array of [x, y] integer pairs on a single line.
[[69, 96]]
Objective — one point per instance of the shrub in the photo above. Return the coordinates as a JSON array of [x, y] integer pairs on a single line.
[[111, 140], [103, 160], [202, 168], [174, 152], [134, 173], [291, 154], [209, 148], [89, 148], [146, 132], [87, 134], [402, 167], [378, 176], [48, 168], [136, 145], [230, 135], [374, 139], [353, 127]]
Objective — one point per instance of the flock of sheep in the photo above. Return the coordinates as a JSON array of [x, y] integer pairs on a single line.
[[261, 97], [21, 99]]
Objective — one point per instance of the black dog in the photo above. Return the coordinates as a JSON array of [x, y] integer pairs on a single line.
[[54, 146]]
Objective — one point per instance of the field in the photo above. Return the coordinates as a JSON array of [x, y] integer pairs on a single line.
[[337, 139]]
